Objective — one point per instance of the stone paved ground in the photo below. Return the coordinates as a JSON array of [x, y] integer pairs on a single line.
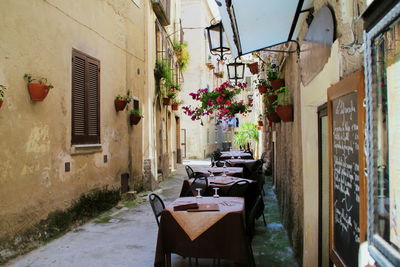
[[127, 237]]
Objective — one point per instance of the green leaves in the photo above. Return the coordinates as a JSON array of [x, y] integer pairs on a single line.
[[247, 132]]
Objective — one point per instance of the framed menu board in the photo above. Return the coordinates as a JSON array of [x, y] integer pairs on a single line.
[[347, 198]]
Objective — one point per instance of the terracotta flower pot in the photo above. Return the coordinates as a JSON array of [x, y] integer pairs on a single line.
[[253, 67], [285, 112], [260, 123], [273, 117], [175, 106], [134, 119], [262, 89], [278, 83], [1, 103], [166, 101], [38, 91], [120, 104], [272, 98]]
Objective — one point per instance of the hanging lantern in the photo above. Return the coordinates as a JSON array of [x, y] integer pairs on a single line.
[[216, 41], [235, 71]]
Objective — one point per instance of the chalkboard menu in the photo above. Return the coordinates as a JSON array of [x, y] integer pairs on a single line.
[[346, 190], [346, 115]]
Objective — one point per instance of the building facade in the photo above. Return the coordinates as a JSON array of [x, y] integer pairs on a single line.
[[90, 51]]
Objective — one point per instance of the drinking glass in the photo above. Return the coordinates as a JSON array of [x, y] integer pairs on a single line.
[[216, 192], [198, 193], [211, 173]]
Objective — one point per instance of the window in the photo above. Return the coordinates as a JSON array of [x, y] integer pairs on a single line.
[[383, 146], [85, 99]]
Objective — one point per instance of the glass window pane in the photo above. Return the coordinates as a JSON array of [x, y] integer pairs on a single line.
[[386, 127]]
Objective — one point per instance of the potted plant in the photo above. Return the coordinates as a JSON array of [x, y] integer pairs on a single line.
[[120, 101], [272, 116], [38, 91], [253, 67], [273, 77], [3, 89], [285, 107], [182, 54], [135, 116], [176, 103], [260, 121], [163, 71], [262, 85]]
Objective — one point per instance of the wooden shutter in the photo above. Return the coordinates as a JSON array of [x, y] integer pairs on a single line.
[[85, 99]]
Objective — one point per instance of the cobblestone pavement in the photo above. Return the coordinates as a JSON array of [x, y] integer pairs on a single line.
[[127, 236]]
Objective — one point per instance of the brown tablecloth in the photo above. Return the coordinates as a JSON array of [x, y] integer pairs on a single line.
[[250, 196], [250, 163], [232, 171], [225, 239], [242, 155]]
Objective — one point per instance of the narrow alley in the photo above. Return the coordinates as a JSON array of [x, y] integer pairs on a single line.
[[268, 128], [127, 236]]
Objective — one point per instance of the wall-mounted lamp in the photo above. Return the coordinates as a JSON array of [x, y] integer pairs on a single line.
[[235, 71], [218, 46]]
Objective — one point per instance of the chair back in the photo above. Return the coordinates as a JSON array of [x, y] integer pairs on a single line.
[[252, 217], [199, 182], [219, 163], [157, 205], [189, 171], [246, 172], [238, 189]]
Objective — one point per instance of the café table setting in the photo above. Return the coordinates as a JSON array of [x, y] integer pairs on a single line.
[[199, 231]]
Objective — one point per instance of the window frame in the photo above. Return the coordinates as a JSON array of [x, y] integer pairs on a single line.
[[85, 139], [379, 249]]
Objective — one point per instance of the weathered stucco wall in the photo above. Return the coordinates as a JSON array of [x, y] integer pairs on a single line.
[[35, 137], [297, 142], [288, 166]]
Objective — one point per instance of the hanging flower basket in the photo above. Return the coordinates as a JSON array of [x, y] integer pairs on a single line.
[[120, 104], [278, 83], [166, 101], [253, 67], [285, 112], [262, 89], [134, 119], [260, 123], [175, 106], [38, 91], [273, 117]]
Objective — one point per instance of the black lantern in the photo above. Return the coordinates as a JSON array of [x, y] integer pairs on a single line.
[[218, 46], [235, 71]]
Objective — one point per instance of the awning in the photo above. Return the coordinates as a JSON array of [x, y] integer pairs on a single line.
[[251, 25]]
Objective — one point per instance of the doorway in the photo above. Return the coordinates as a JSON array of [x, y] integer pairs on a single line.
[[323, 184]]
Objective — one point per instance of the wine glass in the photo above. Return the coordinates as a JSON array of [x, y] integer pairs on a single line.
[[224, 173], [211, 173], [198, 193], [216, 192]]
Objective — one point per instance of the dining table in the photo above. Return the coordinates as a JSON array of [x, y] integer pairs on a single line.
[[224, 183], [231, 171], [235, 155], [216, 229], [250, 163]]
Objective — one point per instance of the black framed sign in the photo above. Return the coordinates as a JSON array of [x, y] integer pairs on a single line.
[[347, 199]]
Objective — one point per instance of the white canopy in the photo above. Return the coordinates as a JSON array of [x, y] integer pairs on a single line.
[[260, 24]]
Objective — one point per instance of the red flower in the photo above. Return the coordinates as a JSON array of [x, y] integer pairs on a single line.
[[228, 102]]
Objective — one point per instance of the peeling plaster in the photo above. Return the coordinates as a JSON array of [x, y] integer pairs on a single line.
[[38, 141]]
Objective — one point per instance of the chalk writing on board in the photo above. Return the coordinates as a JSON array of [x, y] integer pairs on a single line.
[[346, 176]]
